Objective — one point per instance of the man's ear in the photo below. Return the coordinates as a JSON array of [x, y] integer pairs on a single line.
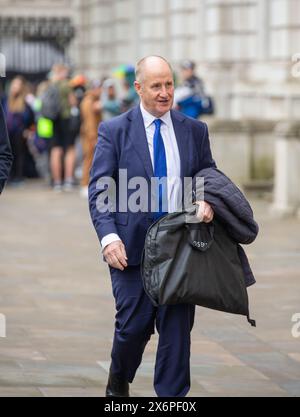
[[138, 87]]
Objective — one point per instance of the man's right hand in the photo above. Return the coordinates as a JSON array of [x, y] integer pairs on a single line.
[[115, 255]]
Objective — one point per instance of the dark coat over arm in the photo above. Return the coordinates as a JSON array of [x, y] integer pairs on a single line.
[[234, 211]]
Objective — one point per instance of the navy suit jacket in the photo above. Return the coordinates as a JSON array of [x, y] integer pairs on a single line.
[[5, 151], [122, 144]]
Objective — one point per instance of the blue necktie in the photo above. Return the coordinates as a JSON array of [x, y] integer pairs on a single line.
[[160, 170]]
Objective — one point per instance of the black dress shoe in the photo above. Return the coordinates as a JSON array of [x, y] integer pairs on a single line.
[[116, 386]]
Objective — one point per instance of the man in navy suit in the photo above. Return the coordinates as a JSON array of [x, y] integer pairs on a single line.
[[149, 141], [5, 152]]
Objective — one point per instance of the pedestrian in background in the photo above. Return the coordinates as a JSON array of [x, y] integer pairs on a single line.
[[190, 97], [190, 79], [79, 86], [19, 118], [62, 159], [111, 105], [130, 98], [90, 118]]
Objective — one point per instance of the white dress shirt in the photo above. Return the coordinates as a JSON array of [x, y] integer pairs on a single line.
[[173, 162]]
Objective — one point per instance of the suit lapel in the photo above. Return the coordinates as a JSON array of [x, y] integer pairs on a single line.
[[138, 138]]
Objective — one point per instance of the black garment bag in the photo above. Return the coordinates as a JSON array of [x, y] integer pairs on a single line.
[[194, 263]]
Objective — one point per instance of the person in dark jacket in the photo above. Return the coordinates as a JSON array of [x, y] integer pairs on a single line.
[[188, 96], [6, 157]]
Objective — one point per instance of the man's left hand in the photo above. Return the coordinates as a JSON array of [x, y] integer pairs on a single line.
[[205, 212]]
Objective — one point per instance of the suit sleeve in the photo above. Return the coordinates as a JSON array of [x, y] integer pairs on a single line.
[[5, 152], [104, 166], [207, 160]]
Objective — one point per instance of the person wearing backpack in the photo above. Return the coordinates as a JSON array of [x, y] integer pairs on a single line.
[[190, 97], [56, 107]]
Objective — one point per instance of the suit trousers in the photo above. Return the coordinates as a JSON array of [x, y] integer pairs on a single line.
[[135, 322]]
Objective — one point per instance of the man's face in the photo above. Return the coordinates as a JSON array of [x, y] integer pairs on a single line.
[[156, 89]]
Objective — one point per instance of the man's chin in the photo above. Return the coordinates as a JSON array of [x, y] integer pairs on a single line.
[[163, 108]]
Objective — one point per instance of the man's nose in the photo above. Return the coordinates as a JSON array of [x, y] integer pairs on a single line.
[[164, 92]]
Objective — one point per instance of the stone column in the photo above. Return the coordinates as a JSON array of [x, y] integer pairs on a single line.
[[287, 169]]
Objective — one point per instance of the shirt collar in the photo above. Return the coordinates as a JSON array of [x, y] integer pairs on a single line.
[[149, 118]]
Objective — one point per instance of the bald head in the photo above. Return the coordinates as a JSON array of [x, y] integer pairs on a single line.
[[154, 84], [151, 63]]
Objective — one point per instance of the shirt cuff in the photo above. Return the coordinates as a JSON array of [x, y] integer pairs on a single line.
[[111, 237]]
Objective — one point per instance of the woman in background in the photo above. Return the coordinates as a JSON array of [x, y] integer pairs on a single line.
[[19, 118]]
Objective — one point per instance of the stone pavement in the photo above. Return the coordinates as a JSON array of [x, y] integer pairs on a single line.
[[55, 294]]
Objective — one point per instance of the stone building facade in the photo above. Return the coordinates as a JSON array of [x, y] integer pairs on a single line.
[[247, 52], [244, 48], [35, 34]]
